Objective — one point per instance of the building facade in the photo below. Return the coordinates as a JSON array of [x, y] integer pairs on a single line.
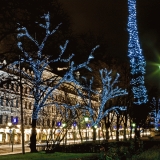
[[50, 120], [10, 110]]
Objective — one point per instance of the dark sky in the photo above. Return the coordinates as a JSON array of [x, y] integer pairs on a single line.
[[109, 17], [100, 17]]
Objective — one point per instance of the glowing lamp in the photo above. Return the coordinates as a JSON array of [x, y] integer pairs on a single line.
[[86, 119]]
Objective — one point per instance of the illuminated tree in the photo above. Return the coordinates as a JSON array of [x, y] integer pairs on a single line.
[[155, 112], [137, 61], [43, 85], [25, 12], [108, 91]]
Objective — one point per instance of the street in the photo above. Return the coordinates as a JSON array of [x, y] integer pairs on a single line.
[[17, 148]]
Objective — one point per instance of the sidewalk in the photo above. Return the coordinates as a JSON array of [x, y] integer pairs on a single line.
[[17, 149]]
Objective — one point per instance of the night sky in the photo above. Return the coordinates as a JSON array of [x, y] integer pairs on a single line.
[[109, 17]]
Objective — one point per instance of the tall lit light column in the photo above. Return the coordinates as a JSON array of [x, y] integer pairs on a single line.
[[137, 61], [21, 101], [86, 119]]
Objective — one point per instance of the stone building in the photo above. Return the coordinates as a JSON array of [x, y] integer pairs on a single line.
[[49, 122], [10, 109]]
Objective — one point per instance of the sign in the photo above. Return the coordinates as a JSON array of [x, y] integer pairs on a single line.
[[14, 120], [58, 124]]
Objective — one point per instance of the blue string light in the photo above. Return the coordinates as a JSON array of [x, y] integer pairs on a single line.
[[155, 112], [137, 61], [41, 91], [109, 91]]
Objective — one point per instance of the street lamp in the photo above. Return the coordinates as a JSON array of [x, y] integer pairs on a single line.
[[99, 131], [9, 126], [11, 130], [21, 103], [63, 124], [65, 136], [94, 132], [74, 125], [86, 119], [134, 126]]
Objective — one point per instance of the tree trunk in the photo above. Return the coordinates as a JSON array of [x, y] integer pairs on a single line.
[[117, 131], [107, 125], [125, 127], [130, 130], [103, 131], [33, 137], [94, 134], [79, 129]]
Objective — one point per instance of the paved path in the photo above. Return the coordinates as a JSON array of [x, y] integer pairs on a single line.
[[17, 149], [7, 149]]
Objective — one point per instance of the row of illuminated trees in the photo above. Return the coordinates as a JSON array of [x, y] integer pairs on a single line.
[[44, 86], [41, 92]]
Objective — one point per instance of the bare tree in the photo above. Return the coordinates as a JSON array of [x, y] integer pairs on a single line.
[[43, 82]]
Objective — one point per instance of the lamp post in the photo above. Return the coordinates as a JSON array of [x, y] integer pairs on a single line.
[[95, 128], [65, 139], [21, 104], [86, 120], [74, 125], [11, 130], [19, 127], [58, 136], [63, 124], [9, 126], [99, 131], [134, 127]]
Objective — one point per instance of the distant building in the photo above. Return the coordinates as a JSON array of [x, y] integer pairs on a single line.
[[10, 108]]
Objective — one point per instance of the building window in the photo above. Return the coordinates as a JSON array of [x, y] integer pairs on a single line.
[[48, 122], [7, 101], [30, 91], [12, 86], [17, 103], [11, 103], [6, 119], [17, 86], [25, 104], [43, 122], [30, 121], [1, 119], [7, 85], [11, 117], [30, 105], [53, 122], [25, 120], [25, 90], [53, 109], [1, 101], [38, 122]]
